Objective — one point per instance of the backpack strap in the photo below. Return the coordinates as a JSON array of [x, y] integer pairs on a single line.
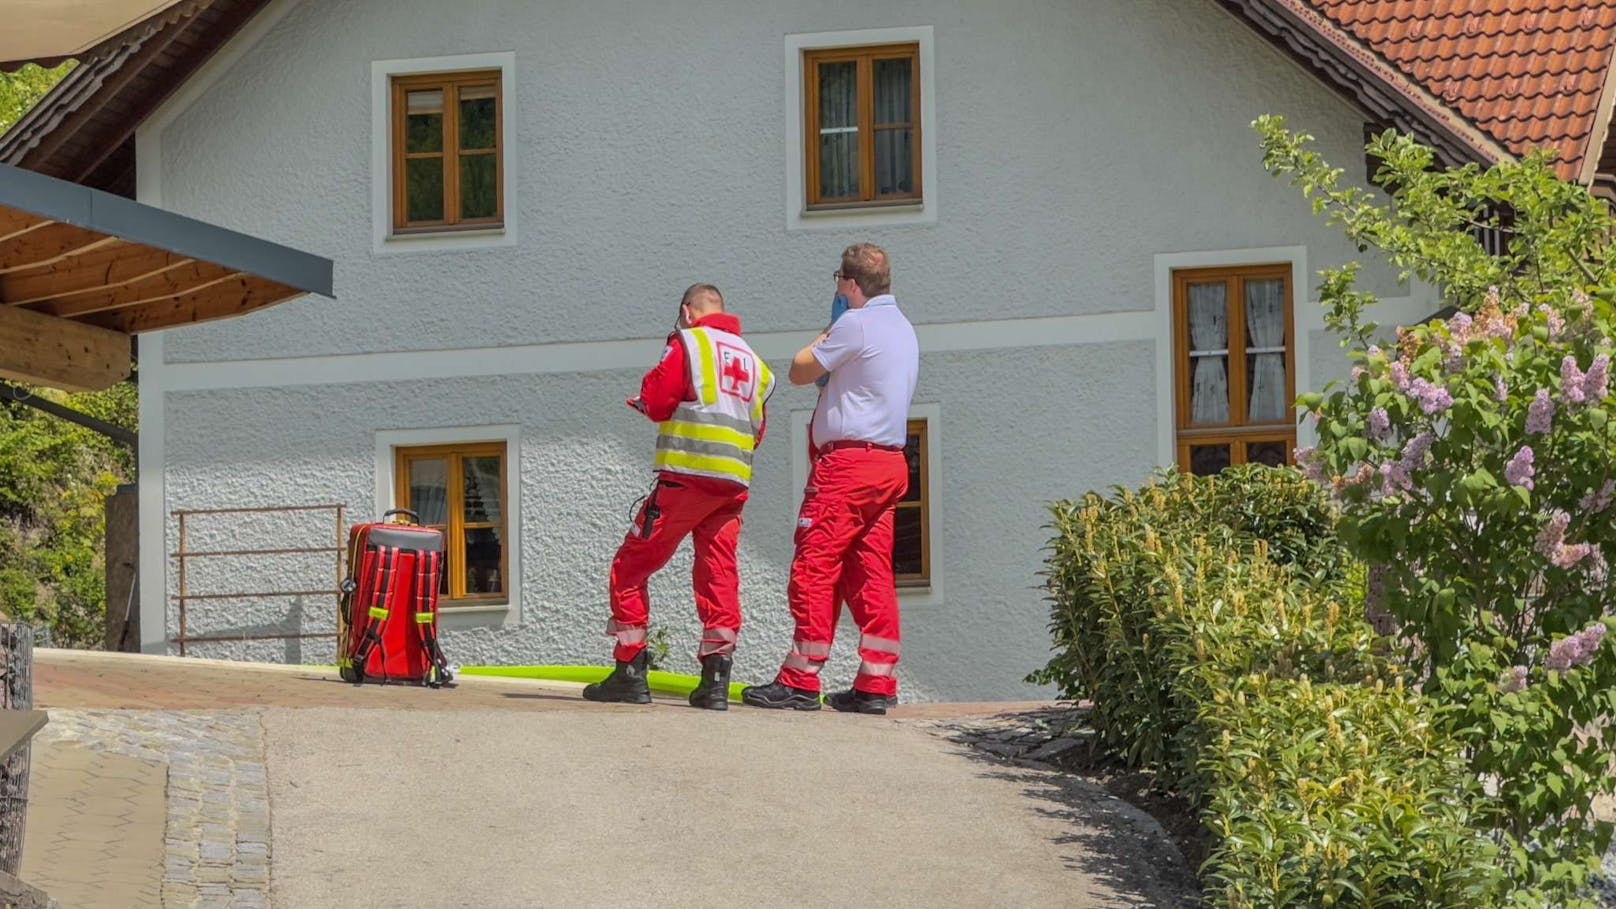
[[387, 561], [426, 617]]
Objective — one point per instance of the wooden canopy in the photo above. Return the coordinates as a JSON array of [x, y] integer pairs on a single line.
[[82, 270]]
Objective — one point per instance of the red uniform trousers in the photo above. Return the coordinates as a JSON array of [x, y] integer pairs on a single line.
[[682, 506], [844, 553]]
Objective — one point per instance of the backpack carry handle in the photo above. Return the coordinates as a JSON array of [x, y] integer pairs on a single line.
[[414, 518]]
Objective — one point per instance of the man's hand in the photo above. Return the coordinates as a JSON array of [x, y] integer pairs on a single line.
[[805, 367]]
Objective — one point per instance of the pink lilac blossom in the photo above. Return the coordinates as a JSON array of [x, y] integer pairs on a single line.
[[1460, 326], [1494, 298], [1540, 415], [1552, 536], [1600, 500], [1434, 399], [1513, 679], [1373, 351], [1395, 477], [1575, 650], [1596, 384], [1312, 465], [1399, 375], [1572, 382], [1519, 470], [1379, 423], [1501, 390], [1556, 323], [1414, 452], [1358, 372], [1570, 554]]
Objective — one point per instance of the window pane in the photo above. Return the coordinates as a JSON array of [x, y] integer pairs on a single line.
[[479, 186], [483, 480], [423, 189], [894, 162], [839, 166], [429, 490], [423, 123], [838, 96], [908, 542], [1269, 453], [911, 451], [1206, 460], [1265, 340], [477, 116], [1208, 344], [483, 550], [838, 131], [894, 91]]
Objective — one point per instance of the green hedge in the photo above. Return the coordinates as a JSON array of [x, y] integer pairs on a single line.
[[1207, 620]]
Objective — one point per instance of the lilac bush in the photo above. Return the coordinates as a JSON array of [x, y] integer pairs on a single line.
[[1474, 460]]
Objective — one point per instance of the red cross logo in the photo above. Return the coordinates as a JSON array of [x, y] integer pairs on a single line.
[[737, 377]]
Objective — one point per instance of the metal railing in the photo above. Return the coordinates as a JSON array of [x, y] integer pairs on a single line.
[[186, 597]]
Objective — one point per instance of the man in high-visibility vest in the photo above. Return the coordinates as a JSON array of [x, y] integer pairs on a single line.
[[708, 394]]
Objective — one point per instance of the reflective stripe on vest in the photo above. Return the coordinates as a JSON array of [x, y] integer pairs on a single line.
[[715, 435]]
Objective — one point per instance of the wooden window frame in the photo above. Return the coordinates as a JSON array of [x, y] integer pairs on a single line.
[[1237, 433], [865, 57], [920, 427], [450, 84], [454, 533]]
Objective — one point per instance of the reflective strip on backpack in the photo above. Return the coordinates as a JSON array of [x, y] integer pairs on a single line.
[[379, 613]]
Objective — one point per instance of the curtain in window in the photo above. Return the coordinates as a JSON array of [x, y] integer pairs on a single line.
[[1265, 324], [1209, 332], [894, 148], [838, 131]]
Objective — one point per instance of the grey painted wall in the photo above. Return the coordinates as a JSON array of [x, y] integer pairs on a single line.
[[1076, 138], [581, 473]]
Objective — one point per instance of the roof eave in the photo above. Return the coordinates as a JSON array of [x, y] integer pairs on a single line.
[[1384, 93]]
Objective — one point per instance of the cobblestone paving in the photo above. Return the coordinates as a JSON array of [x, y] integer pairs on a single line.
[[216, 838]]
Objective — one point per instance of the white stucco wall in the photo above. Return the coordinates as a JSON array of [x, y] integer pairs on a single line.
[[1079, 145], [1076, 138]]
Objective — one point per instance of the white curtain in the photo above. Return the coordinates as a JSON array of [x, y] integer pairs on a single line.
[[1265, 324], [894, 155], [429, 490], [1209, 331], [838, 131]]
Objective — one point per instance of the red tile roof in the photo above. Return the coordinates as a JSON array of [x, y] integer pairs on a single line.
[[1529, 73]]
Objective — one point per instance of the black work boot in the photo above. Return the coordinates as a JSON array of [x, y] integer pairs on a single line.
[[856, 701], [780, 696], [713, 692], [626, 685]]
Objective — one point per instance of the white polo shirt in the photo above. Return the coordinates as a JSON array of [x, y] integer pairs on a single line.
[[874, 361]]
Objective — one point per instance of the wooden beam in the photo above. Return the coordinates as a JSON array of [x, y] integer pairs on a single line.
[[14, 223], [60, 353], [48, 245], [221, 301], [165, 285], [108, 267]]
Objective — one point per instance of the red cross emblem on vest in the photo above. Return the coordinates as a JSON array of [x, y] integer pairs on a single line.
[[737, 373]]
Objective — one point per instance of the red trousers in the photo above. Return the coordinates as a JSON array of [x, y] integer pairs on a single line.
[[844, 553], [678, 507]]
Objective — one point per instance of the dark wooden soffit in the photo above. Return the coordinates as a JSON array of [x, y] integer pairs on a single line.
[[81, 270], [83, 130], [1386, 95]]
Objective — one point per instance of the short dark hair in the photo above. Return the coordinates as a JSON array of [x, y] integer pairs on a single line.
[[869, 267], [702, 290]]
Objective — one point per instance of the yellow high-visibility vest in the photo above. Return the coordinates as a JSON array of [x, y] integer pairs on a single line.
[[715, 435]]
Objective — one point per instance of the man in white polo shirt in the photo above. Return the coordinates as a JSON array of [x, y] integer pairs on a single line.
[[845, 526]]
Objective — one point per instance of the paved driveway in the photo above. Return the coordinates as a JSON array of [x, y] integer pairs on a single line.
[[503, 793]]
